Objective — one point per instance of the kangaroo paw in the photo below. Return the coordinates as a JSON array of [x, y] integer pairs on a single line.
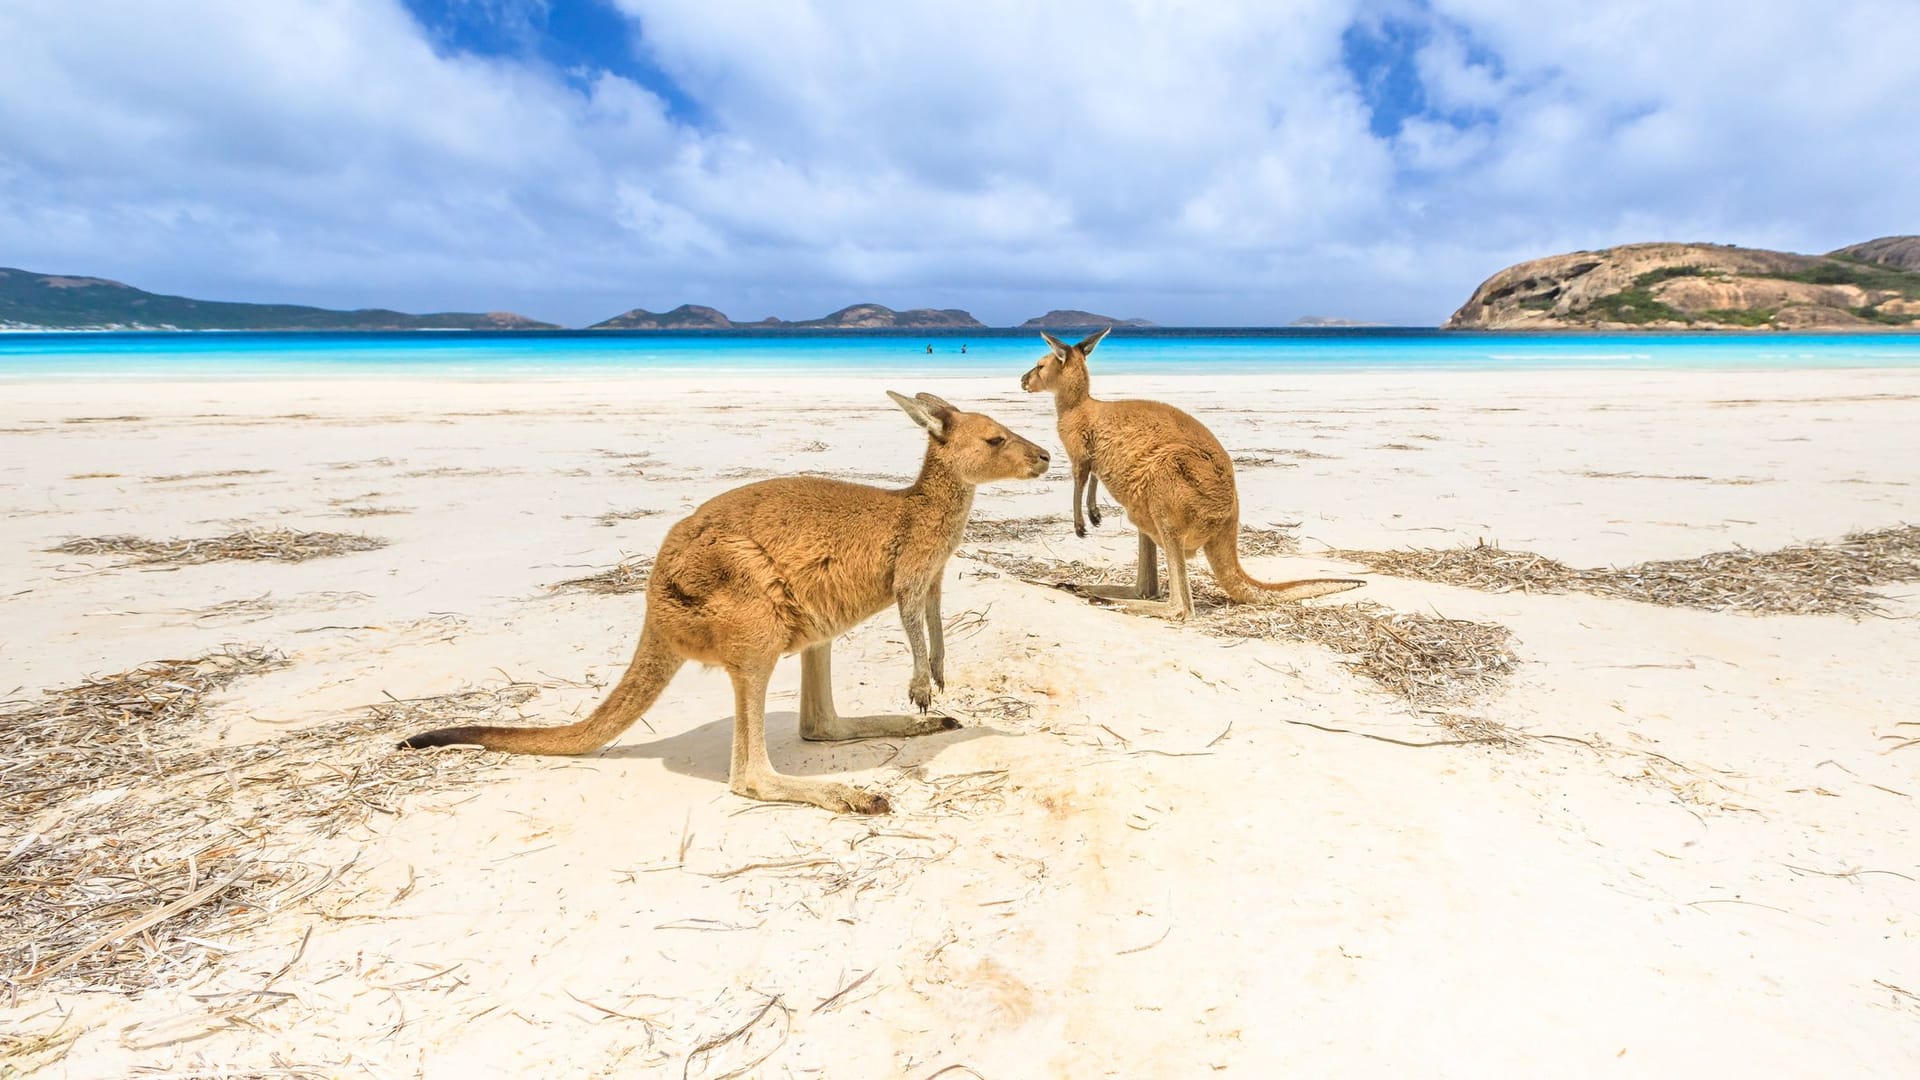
[[1157, 609], [827, 795], [890, 726]]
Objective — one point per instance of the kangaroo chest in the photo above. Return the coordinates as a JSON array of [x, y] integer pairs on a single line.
[[926, 542], [1077, 435]]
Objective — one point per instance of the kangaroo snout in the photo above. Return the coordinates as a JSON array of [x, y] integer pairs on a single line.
[[1027, 381]]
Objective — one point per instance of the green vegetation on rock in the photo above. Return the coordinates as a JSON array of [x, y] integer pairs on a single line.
[[1635, 306], [1834, 271], [1889, 318], [1740, 316], [1666, 273]]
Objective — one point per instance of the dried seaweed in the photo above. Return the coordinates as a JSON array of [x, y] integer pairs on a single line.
[[213, 474], [1060, 573], [1809, 579], [279, 545], [1735, 481], [1297, 454], [1431, 661], [1254, 542], [630, 576], [1006, 530], [1258, 543], [446, 471], [1261, 461], [614, 517], [372, 511], [130, 838]]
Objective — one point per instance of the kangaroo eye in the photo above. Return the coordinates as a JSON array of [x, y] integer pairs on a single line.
[[997, 440]]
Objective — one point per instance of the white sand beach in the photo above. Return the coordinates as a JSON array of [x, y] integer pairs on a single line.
[[1689, 848]]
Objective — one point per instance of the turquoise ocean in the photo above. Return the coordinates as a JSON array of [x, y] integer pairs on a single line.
[[599, 354]]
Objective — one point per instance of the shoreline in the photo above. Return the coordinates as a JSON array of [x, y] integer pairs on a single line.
[[1119, 329], [1569, 379]]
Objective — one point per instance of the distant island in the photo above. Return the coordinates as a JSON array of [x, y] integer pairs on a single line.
[[1322, 322], [1666, 286], [852, 317], [1070, 319], [35, 301], [30, 300]]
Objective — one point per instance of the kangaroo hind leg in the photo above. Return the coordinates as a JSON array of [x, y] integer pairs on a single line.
[[1146, 577], [753, 775], [821, 722], [1178, 606]]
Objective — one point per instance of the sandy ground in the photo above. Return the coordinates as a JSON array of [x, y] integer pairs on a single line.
[[1128, 863]]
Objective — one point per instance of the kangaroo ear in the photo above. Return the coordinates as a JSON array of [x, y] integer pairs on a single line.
[[931, 417], [1059, 347], [936, 402], [1086, 346]]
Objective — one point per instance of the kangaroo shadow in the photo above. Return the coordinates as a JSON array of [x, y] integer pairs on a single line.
[[706, 752]]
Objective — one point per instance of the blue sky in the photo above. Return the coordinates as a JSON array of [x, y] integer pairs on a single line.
[[1203, 163]]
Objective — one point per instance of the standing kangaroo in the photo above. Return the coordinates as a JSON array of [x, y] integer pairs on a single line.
[[785, 566], [1172, 476]]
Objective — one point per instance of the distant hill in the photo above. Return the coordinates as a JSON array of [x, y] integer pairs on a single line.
[[1322, 322], [1869, 286], [1076, 320], [852, 317], [876, 317], [684, 317], [30, 300]]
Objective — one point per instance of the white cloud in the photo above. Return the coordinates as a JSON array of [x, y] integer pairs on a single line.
[[1639, 119], [1187, 162]]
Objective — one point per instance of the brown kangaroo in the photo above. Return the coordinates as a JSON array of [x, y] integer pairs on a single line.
[[786, 566], [1172, 476]]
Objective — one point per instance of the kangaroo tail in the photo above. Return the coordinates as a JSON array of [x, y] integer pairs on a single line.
[[653, 666], [1223, 554]]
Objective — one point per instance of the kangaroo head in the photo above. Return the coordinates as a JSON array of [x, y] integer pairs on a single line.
[[1060, 360], [975, 446]]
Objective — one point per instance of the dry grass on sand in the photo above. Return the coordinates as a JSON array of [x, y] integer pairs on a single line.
[[133, 841], [630, 576], [279, 545], [1254, 542], [1430, 661], [1834, 577]]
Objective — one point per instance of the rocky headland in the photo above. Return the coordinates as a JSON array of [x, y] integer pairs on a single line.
[[1668, 286]]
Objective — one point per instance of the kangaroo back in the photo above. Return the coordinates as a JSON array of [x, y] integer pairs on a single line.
[[1223, 554], [652, 668]]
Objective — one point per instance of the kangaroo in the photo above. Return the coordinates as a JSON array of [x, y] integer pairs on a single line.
[[1172, 476], [785, 566]]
